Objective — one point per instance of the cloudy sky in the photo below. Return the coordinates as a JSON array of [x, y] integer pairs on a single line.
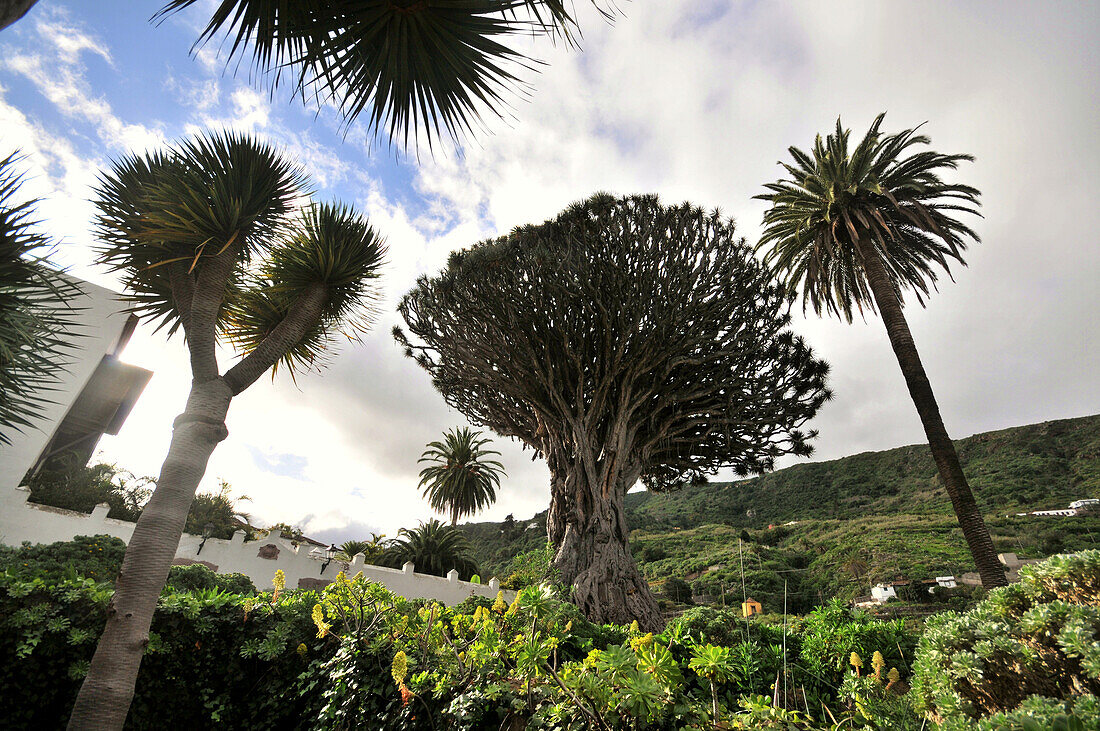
[[692, 99]]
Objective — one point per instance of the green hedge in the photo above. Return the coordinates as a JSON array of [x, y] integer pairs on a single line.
[[1030, 650]]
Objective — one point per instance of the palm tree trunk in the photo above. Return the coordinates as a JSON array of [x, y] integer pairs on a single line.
[[13, 10], [943, 450], [108, 689]]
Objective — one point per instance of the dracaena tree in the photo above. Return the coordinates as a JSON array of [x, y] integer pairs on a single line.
[[623, 340], [208, 242], [460, 479], [855, 229]]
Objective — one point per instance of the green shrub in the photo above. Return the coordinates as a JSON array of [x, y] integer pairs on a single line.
[[197, 577], [1039, 638], [84, 557], [677, 590]]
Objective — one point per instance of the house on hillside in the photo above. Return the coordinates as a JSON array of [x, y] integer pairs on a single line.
[[750, 607]]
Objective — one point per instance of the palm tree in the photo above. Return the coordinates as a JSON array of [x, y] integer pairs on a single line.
[[34, 314], [205, 241], [460, 481], [219, 510], [414, 66], [859, 228], [433, 548]]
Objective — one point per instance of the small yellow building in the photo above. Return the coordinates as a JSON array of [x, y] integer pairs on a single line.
[[750, 607]]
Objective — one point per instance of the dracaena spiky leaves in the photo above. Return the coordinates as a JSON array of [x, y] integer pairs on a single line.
[[880, 193], [412, 66], [184, 206], [36, 328], [332, 246]]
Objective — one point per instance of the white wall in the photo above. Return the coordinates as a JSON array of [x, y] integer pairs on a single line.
[[22, 521], [99, 318]]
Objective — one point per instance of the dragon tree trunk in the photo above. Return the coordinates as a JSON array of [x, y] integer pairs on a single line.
[[587, 528]]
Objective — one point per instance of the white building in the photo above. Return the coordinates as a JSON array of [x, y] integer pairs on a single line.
[[92, 398]]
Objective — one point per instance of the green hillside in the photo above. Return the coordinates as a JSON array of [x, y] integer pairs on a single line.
[[1031, 467], [858, 520]]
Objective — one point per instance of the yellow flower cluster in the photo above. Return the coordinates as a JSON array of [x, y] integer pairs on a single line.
[[637, 643], [878, 663], [500, 605], [319, 619], [855, 661], [279, 582], [400, 668]]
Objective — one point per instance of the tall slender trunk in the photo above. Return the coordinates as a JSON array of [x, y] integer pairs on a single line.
[[105, 696], [587, 527], [943, 450]]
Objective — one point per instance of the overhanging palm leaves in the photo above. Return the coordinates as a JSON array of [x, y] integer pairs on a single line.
[[460, 479], [425, 66], [433, 548], [36, 327], [835, 199]]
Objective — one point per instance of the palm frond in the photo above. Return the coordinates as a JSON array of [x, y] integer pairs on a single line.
[[876, 193], [36, 325], [168, 212], [411, 66]]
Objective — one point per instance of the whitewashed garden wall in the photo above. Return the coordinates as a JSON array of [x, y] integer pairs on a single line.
[[22, 521]]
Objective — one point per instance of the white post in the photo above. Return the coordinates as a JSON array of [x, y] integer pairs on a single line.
[[237, 539], [99, 512], [357, 563], [408, 568], [452, 576], [494, 584]]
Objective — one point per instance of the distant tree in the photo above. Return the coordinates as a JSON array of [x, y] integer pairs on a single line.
[[372, 550], [36, 324], [286, 530], [460, 479], [508, 527], [434, 548], [856, 229], [745, 536], [622, 341], [220, 510], [677, 590]]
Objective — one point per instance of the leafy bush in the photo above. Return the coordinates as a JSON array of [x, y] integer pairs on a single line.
[[677, 590], [1029, 649], [85, 557], [530, 568], [197, 577], [66, 483]]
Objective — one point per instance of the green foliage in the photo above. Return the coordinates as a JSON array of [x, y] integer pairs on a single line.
[[36, 324], [85, 557], [677, 590], [433, 548], [1039, 638], [530, 568], [197, 577], [220, 511], [66, 483]]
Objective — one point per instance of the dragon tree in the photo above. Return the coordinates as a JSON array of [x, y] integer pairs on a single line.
[[624, 341]]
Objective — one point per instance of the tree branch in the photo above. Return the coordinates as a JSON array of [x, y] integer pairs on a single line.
[[304, 315]]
